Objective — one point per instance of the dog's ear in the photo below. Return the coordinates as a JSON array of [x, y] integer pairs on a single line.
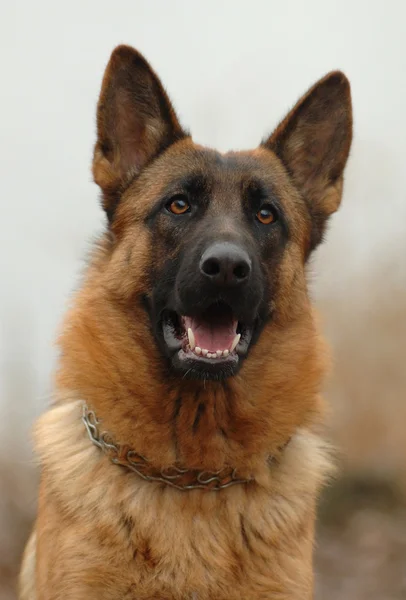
[[135, 122], [313, 142]]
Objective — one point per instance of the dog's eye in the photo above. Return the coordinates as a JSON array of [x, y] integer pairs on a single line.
[[266, 215], [178, 205]]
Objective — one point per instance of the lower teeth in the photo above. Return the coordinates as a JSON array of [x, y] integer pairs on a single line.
[[218, 354]]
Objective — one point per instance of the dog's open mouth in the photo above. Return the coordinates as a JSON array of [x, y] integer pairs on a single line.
[[213, 339]]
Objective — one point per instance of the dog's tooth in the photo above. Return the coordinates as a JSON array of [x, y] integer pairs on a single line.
[[204, 352], [191, 337], [226, 352], [235, 342], [198, 350], [219, 353]]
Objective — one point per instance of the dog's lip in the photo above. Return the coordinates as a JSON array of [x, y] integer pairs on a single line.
[[171, 336]]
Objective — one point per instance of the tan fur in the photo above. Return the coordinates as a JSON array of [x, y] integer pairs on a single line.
[[102, 532], [27, 576], [213, 545]]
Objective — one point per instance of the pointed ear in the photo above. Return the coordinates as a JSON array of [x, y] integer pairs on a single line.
[[313, 142], [135, 122]]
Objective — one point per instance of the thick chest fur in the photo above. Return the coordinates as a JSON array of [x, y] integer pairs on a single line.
[[103, 533], [164, 556]]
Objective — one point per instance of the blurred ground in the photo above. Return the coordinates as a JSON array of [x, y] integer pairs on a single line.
[[361, 542], [17, 509]]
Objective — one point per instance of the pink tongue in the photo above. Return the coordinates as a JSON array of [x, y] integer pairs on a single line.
[[214, 334]]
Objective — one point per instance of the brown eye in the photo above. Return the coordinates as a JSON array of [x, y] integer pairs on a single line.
[[178, 205], [266, 215]]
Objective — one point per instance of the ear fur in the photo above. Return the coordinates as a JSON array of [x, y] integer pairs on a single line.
[[135, 122], [313, 142]]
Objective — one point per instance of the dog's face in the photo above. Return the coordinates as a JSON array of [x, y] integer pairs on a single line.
[[220, 231], [227, 235]]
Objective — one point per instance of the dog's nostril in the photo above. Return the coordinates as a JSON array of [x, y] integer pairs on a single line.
[[241, 271], [211, 266]]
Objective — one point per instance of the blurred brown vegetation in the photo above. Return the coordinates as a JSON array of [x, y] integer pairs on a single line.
[[361, 545], [366, 326]]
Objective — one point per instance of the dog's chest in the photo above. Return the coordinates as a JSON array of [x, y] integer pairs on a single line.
[[188, 550], [113, 536], [205, 549]]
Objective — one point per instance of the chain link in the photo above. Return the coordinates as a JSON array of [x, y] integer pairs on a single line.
[[174, 476]]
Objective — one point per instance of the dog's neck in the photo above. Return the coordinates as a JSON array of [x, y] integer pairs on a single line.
[[201, 425], [175, 476]]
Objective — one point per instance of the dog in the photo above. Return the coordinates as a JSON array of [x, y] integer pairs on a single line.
[[184, 451]]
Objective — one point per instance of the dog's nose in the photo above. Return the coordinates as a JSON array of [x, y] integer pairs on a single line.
[[226, 264]]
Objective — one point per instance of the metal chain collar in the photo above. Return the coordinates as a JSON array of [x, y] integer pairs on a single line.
[[174, 476]]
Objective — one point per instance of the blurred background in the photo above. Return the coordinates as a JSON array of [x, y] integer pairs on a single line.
[[233, 69]]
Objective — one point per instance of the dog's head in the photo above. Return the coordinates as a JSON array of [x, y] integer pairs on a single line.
[[213, 246]]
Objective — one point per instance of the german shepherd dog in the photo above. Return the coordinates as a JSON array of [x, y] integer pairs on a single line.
[[183, 454]]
